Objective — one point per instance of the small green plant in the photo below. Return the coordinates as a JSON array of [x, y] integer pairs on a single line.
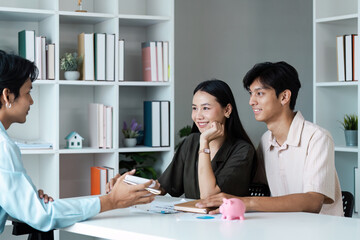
[[142, 162], [183, 133], [70, 62], [350, 122]]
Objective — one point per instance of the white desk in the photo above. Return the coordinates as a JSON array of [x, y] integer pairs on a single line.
[[130, 224]]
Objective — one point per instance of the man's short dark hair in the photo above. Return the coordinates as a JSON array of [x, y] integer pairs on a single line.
[[279, 76], [14, 71]]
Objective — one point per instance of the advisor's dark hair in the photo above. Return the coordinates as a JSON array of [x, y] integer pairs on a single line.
[[223, 94], [279, 76], [14, 71]]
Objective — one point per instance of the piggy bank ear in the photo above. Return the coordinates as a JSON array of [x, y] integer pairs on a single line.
[[225, 200], [231, 202]]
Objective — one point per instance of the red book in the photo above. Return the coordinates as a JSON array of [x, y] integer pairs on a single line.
[[149, 65]]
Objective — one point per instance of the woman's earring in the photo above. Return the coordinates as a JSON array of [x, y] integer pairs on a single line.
[[8, 105]]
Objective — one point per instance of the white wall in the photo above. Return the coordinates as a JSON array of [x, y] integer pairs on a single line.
[[224, 39]]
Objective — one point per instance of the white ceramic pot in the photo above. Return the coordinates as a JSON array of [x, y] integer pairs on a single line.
[[71, 75], [130, 142]]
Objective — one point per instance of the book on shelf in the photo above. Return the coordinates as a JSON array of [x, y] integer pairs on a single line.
[[348, 58], [99, 56], [100, 125], [50, 61], [38, 56], [98, 180], [110, 173], [43, 57], [149, 66], [86, 51], [356, 52], [110, 57], [190, 207], [152, 123], [121, 59], [32, 144], [159, 61], [26, 44], [166, 61], [340, 54], [165, 123]]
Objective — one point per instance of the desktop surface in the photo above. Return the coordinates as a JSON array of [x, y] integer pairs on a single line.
[[132, 223]]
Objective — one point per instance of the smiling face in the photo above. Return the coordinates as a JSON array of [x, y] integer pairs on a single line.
[[205, 110], [264, 102], [21, 105]]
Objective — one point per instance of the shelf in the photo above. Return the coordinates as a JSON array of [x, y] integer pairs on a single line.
[[24, 14], [143, 149], [141, 20], [86, 150], [143, 84], [84, 18], [337, 84], [337, 18], [87, 83], [37, 151], [44, 82], [346, 149]]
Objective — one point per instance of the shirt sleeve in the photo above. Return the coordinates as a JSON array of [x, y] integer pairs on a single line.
[[19, 199], [172, 180], [234, 178], [319, 171]]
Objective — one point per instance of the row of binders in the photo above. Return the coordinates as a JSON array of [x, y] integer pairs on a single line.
[[100, 125], [35, 49], [347, 47], [157, 123], [99, 177], [97, 51], [155, 61]]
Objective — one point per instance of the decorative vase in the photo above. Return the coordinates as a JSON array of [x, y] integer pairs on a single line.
[[71, 75], [351, 137], [130, 142]]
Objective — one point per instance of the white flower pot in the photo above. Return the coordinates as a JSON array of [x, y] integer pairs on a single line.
[[130, 142], [71, 75]]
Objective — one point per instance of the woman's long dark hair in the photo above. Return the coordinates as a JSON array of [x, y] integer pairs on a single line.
[[223, 94]]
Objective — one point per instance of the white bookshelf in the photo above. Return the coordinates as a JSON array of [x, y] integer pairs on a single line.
[[334, 99], [60, 106]]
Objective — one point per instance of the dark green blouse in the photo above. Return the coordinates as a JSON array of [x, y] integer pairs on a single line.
[[232, 166]]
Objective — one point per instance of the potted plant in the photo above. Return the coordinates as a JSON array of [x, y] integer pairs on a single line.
[[70, 63], [142, 162], [183, 133], [131, 133], [350, 125]]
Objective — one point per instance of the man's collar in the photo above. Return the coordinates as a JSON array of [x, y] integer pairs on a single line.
[[294, 135]]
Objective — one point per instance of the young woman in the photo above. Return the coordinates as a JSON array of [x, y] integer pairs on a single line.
[[218, 156], [18, 196]]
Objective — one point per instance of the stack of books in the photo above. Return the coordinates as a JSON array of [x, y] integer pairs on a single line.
[[347, 48], [99, 177], [100, 125], [35, 49], [157, 123], [98, 53], [155, 61]]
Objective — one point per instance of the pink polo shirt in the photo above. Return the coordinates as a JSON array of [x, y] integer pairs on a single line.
[[304, 163]]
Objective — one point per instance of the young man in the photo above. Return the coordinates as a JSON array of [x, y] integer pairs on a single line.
[[295, 157], [18, 195]]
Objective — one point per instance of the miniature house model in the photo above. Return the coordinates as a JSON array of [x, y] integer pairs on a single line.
[[74, 140]]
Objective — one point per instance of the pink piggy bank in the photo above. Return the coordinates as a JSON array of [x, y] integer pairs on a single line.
[[232, 208]]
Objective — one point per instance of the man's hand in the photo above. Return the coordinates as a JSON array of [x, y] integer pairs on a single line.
[[123, 195], [111, 183], [214, 201], [44, 196]]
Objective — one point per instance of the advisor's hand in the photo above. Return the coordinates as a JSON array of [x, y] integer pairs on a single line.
[[44, 196], [213, 201], [111, 183]]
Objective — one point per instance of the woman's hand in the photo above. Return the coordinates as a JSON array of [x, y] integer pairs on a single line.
[[215, 131], [44, 196], [111, 183], [213, 201]]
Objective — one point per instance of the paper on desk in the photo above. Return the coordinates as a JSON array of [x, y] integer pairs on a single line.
[[162, 206]]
